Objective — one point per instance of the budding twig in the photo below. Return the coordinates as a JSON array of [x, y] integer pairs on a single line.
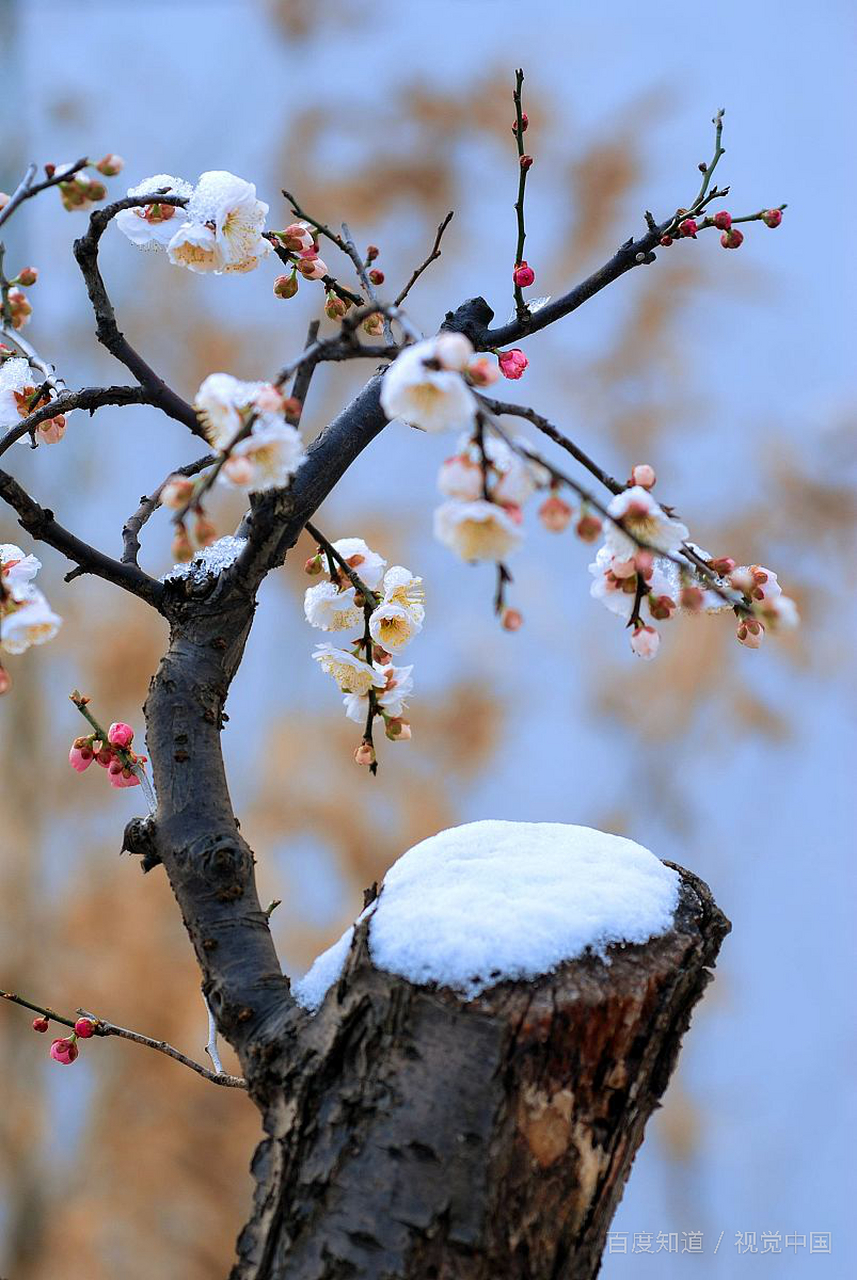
[[521, 308], [433, 256], [101, 1027]]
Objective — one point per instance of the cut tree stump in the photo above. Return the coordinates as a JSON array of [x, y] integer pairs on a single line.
[[416, 1135]]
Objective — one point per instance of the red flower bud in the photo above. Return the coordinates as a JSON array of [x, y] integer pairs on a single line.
[[666, 241], [286, 286], [513, 620], [64, 1051], [526, 162], [525, 123], [28, 277], [689, 228], [722, 220], [772, 217], [372, 253], [588, 528], [732, 238], [84, 1027], [376, 276], [40, 1024], [523, 275]]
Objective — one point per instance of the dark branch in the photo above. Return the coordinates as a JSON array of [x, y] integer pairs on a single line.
[[502, 407], [149, 505], [433, 256], [26, 188], [107, 330], [90, 398]]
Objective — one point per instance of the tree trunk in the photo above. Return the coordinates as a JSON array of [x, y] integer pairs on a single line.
[[414, 1134]]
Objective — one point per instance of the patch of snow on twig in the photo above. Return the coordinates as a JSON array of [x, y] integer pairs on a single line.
[[493, 901], [210, 561]]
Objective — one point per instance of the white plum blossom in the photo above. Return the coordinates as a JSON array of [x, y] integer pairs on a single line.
[[477, 530], [27, 620], [223, 226], [392, 626], [152, 226], [460, 477], [424, 392], [392, 699], [645, 642], [403, 589], [330, 609], [352, 674], [221, 403], [644, 520], [16, 378], [368, 565], [266, 459]]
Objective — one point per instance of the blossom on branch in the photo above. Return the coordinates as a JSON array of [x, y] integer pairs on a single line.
[[21, 395], [351, 673], [424, 386], [266, 459], [368, 565], [391, 699], [222, 231], [27, 619], [331, 609], [152, 226], [643, 521], [477, 530]]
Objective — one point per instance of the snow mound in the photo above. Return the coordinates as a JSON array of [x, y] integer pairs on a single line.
[[209, 562], [489, 901]]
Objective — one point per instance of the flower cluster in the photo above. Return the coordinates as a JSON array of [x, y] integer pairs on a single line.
[[731, 237], [112, 751], [21, 393], [18, 309], [388, 605], [219, 230], [429, 384], [26, 617], [637, 583], [299, 242], [65, 1050]]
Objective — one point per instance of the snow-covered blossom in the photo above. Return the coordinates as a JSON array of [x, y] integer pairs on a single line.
[[152, 226], [615, 583], [424, 392], [643, 521], [477, 530], [223, 226], [330, 609], [368, 565], [18, 388], [266, 459], [392, 698], [220, 403], [352, 674], [16, 568], [27, 620]]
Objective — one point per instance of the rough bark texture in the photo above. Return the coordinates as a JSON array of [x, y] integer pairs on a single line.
[[415, 1134]]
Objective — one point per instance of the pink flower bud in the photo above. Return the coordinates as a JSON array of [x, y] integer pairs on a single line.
[[645, 642], [122, 777], [313, 566], [84, 1027], [588, 527], [772, 217], [28, 277], [372, 252], [722, 220], [643, 475], [374, 325], [40, 1024], [335, 308], [110, 165], [691, 599], [523, 275], [312, 268], [525, 123], [398, 730], [297, 237], [52, 431], [376, 276], [512, 363], [555, 513], [512, 620], [5, 681], [689, 228], [482, 372], [750, 633], [286, 286], [732, 238], [526, 162], [120, 734], [176, 492], [723, 566], [661, 607], [364, 754], [81, 755], [666, 241], [104, 757], [64, 1051]]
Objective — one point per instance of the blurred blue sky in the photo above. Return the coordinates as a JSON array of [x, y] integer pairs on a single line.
[[182, 87]]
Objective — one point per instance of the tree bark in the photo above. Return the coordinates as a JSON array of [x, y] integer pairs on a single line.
[[414, 1135]]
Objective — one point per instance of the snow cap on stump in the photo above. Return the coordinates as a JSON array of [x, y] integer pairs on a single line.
[[492, 901]]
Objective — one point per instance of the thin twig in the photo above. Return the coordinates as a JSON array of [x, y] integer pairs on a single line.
[[521, 307], [105, 1028], [26, 189], [90, 398], [149, 505], [503, 407], [353, 577], [433, 256]]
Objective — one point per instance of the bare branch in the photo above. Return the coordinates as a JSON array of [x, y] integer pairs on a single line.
[[104, 1028], [149, 505], [502, 407], [26, 188], [107, 330], [90, 398], [433, 256]]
